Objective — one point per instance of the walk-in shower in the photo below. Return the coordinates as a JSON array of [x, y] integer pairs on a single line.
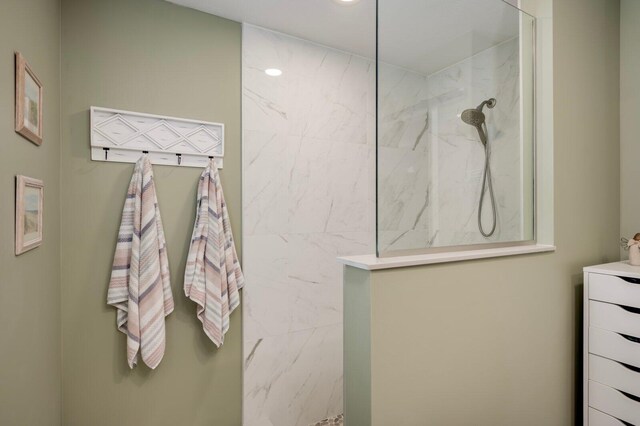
[[451, 176], [311, 134]]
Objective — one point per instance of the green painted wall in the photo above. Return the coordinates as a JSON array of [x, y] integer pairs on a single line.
[[155, 57], [498, 341], [629, 113], [30, 360]]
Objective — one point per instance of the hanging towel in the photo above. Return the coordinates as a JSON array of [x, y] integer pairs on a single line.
[[140, 289], [213, 276]]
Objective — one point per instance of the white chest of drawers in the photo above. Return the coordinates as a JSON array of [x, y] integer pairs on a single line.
[[612, 345]]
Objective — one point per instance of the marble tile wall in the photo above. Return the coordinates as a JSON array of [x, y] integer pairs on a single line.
[[493, 73], [308, 173], [405, 181], [431, 163]]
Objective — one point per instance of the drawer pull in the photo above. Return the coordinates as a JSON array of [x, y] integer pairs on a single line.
[[630, 396], [630, 338], [630, 309], [622, 421], [629, 367], [631, 280]]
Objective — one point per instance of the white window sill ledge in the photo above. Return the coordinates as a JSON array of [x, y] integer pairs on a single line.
[[372, 263]]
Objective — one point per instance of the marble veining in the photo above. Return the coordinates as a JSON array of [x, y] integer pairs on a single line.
[[431, 163], [460, 159], [308, 173]]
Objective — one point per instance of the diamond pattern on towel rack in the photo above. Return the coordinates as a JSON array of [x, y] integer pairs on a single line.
[[169, 135], [163, 135]]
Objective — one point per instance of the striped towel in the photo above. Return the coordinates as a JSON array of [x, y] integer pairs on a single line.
[[213, 276], [139, 287]]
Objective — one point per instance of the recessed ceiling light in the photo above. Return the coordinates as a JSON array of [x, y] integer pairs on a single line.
[[346, 2], [273, 72]]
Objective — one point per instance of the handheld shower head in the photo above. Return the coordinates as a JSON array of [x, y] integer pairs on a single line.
[[476, 118], [473, 117]]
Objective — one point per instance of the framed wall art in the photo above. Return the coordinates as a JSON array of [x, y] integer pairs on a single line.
[[28, 101], [29, 213]]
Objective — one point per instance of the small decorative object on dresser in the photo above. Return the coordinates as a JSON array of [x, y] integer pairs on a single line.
[[611, 374], [633, 246], [28, 102], [29, 205]]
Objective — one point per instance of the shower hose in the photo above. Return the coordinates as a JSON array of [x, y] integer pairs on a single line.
[[486, 182]]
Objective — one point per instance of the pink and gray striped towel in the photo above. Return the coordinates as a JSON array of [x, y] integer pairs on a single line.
[[140, 289], [213, 276]]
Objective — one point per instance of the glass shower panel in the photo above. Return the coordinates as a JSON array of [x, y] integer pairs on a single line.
[[455, 120]]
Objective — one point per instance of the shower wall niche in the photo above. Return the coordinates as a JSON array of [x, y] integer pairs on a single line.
[[447, 57]]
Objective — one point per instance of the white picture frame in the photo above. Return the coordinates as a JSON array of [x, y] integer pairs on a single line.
[[29, 213]]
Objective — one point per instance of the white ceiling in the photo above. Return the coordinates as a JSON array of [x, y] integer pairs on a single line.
[[429, 35], [422, 35]]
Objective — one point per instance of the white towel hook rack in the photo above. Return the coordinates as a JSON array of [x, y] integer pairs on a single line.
[[122, 136]]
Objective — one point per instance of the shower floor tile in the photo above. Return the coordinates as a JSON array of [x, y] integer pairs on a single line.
[[334, 421]]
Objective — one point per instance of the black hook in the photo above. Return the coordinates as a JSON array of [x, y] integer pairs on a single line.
[[179, 159], [106, 153]]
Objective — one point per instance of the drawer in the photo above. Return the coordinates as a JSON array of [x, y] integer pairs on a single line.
[[609, 288], [625, 320], [613, 402], [612, 373], [614, 346], [598, 418]]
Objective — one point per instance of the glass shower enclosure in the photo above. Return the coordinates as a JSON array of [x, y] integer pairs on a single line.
[[455, 125]]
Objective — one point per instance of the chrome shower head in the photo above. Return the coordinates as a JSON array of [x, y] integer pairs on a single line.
[[476, 118]]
